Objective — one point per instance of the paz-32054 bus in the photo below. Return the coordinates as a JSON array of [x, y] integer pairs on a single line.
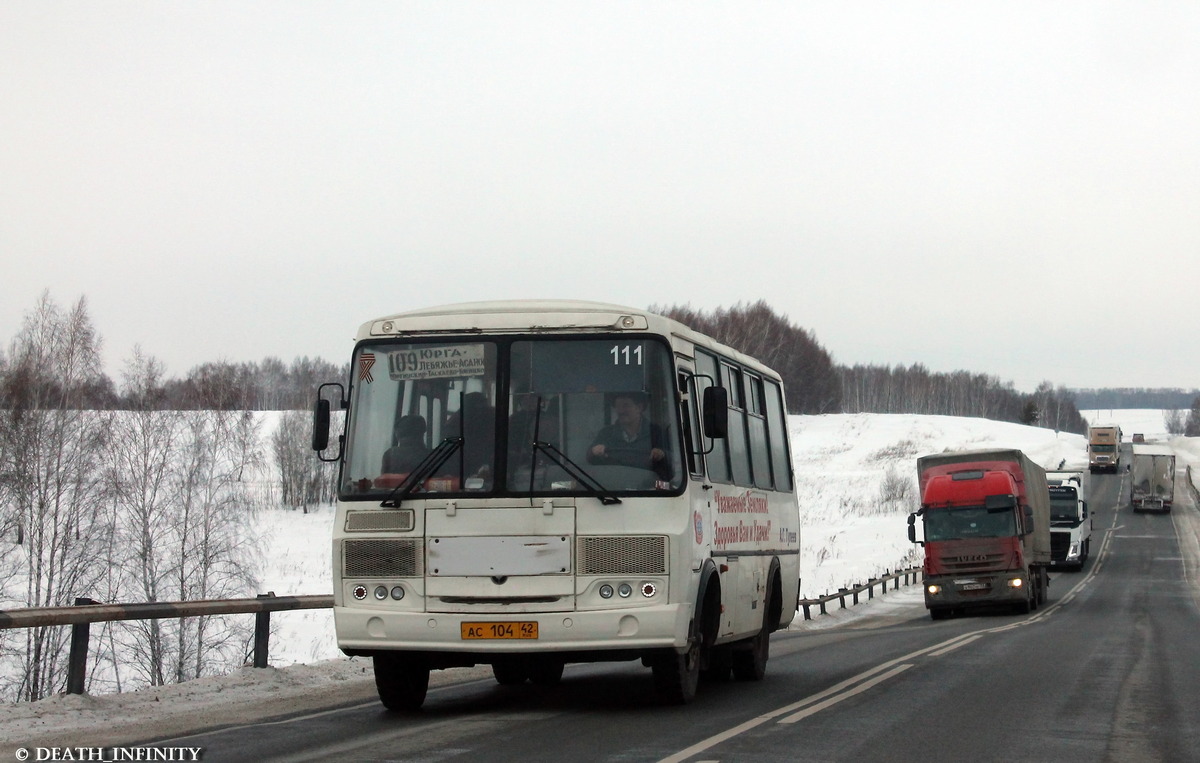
[[527, 484]]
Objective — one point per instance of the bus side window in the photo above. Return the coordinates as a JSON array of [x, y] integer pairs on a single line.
[[756, 424], [739, 452], [691, 419], [717, 459], [778, 434]]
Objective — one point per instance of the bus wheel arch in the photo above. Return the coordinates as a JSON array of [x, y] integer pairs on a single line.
[[677, 674], [750, 658]]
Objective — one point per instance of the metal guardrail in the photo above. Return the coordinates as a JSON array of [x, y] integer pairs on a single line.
[[87, 611], [910, 575]]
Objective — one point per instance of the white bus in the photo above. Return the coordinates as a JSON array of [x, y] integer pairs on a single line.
[[527, 484]]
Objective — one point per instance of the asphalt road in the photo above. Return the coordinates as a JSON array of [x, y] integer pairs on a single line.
[[1108, 669]]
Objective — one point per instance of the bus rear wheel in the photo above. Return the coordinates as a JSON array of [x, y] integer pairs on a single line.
[[750, 664], [402, 681]]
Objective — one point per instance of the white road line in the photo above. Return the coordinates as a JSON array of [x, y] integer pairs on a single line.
[[952, 647], [846, 694]]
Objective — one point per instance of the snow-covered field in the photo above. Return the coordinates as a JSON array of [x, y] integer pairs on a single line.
[[856, 481], [851, 528]]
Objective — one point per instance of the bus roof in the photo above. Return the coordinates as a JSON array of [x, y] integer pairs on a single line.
[[539, 316]]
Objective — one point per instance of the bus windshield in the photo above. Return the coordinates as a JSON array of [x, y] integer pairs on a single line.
[[513, 417]]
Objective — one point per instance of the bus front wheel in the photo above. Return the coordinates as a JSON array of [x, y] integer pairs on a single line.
[[676, 676], [402, 681]]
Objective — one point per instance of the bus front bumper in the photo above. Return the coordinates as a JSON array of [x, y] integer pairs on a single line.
[[641, 628]]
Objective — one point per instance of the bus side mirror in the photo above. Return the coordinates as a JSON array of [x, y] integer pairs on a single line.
[[321, 415], [912, 528], [716, 413], [320, 435]]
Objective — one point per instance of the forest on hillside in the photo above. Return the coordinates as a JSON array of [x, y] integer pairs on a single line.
[[814, 383]]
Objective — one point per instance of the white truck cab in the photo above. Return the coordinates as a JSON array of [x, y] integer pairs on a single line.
[[1070, 521]]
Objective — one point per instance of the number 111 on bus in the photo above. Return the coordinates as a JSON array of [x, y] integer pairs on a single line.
[[626, 355]]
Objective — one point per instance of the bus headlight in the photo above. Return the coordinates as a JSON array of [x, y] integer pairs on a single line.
[[649, 589], [1015, 583], [397, 592], [360, 592], [381, 592], [625, 590], [606, 591], [933, 589]]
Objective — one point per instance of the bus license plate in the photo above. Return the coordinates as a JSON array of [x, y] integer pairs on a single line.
[[521, 630]]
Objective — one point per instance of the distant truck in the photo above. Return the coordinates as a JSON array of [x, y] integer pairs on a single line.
[[1153, 478], [985, 516], [1104, 449], [1070, 523]]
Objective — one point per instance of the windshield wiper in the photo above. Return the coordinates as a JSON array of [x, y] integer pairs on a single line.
[[577, 472], [431, 463]]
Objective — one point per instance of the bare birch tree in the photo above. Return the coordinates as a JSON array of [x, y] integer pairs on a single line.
[[141, 477], [305, 480], [53, 449]]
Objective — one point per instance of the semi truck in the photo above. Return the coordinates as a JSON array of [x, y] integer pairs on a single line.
[[985, 516], [1104, 449], [1070, 523], [1153, 478]]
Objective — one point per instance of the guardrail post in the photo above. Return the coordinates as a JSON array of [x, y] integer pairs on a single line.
[[77, 661], [262, 633]]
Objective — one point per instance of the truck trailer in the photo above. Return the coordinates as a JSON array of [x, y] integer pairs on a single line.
[[985, 516], [1152, 477], [1070, 522], [1104, 449]]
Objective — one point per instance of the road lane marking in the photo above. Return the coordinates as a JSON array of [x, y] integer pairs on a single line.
[[952, 647], [734, 731], [810, 705], [846, 694]]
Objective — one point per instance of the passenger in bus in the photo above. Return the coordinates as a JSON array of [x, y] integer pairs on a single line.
[[476, 424], [632, 440], [409, 447]]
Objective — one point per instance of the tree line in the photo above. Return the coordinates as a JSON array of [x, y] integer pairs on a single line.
[[1136, 397], [267, 385], [814, 384]]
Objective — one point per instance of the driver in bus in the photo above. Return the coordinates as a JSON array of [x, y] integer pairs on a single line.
[[632, 440], [409, 449]]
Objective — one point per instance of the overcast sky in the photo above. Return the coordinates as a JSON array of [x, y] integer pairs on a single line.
[[1004, 187]]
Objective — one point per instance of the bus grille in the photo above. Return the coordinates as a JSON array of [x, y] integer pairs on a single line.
[[371, 521], [622, 555], [381, 558]]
